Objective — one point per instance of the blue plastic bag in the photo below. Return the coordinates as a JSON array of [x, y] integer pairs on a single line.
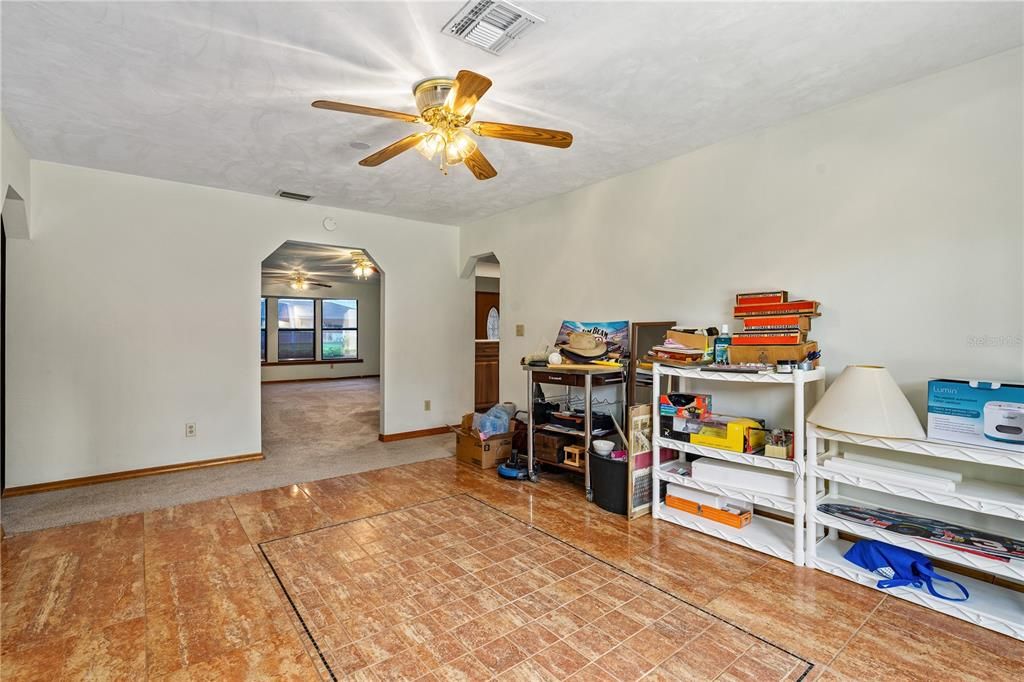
[[900, 567], [496, 420]]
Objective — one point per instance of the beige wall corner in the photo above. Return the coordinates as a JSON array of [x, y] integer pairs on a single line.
[[15, 183]]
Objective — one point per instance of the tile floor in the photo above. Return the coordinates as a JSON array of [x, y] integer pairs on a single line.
[[188, 593]]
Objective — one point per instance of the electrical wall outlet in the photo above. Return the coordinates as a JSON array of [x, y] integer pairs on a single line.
[[520, 330], [190, 430], [426, 406]]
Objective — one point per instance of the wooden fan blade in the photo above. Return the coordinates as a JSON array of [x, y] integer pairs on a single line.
[[392, 150], [469, 87], [509, 131], [478, 164], [365, 111], [319, 284]]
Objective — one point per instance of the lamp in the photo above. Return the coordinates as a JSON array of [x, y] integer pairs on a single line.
[[298, 282], [865, 399], [362, 269]]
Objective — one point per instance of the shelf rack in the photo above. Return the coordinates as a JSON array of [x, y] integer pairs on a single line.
[[763, 534], [570, 377], [991, 604]]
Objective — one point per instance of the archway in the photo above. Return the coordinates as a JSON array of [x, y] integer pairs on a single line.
[[321, 349], [485, 269]]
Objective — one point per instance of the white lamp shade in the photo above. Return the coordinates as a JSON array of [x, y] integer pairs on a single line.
[[865, 399]]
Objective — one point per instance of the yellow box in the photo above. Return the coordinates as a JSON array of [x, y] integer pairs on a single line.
[[738, 434]]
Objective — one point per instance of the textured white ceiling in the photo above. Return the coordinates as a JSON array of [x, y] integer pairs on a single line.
[[330, 264], [219, 94]]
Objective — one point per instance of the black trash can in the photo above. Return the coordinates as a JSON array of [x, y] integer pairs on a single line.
[[608, 483]]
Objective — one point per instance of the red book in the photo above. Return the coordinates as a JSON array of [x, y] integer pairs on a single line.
[[809, 308], [790, 337], [776, 323], [762, 297]]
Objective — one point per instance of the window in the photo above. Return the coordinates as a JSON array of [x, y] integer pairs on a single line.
[[296, 326], [493, 321], [263, 330], [340, 329]]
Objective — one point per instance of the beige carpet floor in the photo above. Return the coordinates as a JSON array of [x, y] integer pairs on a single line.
[[311, 430]]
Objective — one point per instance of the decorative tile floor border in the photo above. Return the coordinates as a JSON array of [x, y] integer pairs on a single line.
[[317, 625]]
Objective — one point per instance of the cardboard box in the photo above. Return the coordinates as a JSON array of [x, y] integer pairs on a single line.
[[984, 413], [729, 518], [770, 355], [547, 447], [738, 434], [697, 341], [486, 454], [689, 405]]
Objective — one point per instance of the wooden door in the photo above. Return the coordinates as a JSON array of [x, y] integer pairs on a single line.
[[486, 379], [486, 375]]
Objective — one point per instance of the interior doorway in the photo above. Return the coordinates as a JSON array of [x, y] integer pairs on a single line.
[[487, 326], [320, 350]]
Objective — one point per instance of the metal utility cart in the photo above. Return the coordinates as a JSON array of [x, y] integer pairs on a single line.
[[576, 376]]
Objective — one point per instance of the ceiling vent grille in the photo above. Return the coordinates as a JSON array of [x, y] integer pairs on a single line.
[[491, 25], [295, 196]]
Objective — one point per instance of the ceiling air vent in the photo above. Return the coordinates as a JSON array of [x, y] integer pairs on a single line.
[[295, 196], [491, 25]]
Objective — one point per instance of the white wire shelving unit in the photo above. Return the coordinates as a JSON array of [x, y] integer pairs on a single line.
[[994, 604], [764, 534]]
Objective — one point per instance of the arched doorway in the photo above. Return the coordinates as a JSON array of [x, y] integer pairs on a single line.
[[486, 272], [321, 356]]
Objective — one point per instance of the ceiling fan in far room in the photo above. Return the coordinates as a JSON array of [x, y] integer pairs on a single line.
[[296, 279], [446, 106]]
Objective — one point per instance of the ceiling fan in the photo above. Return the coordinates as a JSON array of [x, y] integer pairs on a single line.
[[447, 106], [296, 279]]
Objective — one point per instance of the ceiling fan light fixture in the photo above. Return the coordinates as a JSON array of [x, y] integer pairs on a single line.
[[433, 142], [446, 107], [459, 146], [363, 269]]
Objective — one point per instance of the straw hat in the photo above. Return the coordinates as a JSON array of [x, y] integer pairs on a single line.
[[585, 345]]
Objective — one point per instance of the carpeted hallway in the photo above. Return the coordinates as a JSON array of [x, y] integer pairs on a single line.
[[311, 430]]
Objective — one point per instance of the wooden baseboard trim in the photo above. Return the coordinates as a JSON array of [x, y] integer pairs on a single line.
[[131, 473], [292, 381], [406, 435]]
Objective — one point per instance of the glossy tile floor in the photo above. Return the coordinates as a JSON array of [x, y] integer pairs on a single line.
[[455, 589], [188, 593]]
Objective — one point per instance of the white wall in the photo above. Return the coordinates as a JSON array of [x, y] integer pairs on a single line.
[[133, 311], [368, 296], [900, 211], [14, 175]]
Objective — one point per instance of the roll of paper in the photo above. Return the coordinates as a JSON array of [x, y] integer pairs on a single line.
[[889, 475], [954, 476]]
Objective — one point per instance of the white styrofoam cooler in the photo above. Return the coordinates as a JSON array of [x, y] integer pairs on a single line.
[[722, 472]]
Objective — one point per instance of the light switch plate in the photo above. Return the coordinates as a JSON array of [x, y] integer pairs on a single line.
[[520, 330]]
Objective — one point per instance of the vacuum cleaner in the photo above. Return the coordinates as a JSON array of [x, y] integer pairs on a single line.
[[515, 468]]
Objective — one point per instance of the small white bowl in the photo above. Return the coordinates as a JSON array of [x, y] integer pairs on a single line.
[[603, 447]]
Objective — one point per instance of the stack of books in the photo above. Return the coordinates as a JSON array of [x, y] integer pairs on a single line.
[[677, 352], [771, 319]]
